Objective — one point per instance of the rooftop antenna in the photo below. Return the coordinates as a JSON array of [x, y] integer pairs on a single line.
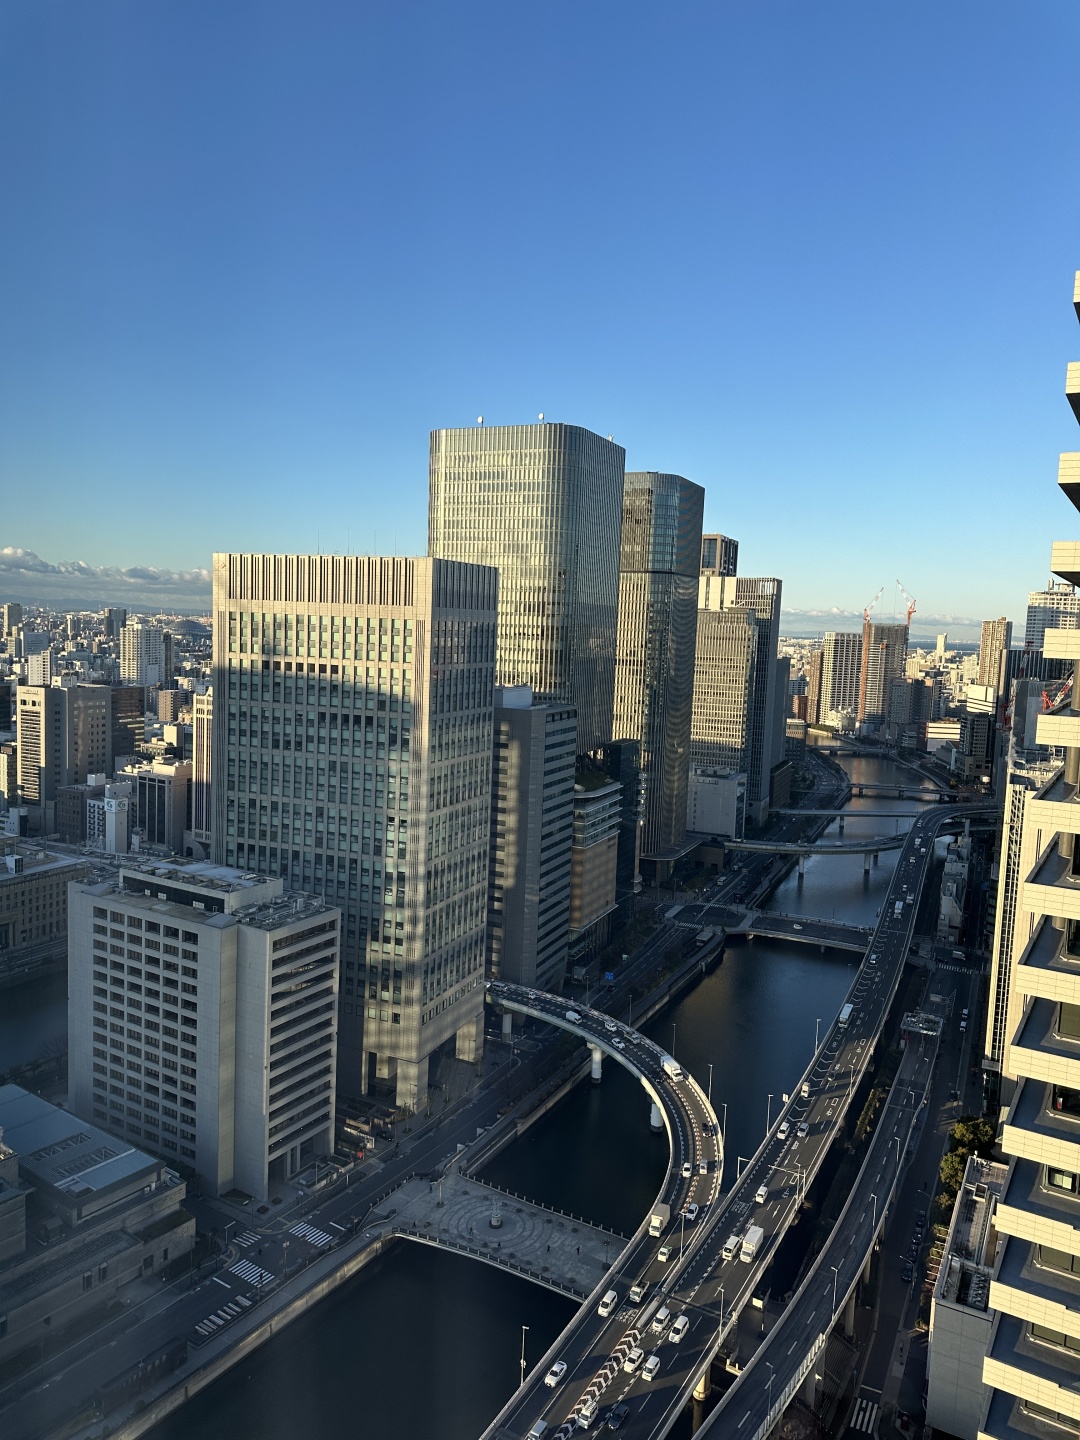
[[479, 419], [540, 416]]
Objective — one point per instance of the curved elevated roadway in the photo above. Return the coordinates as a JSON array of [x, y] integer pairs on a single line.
[[709, 1289]]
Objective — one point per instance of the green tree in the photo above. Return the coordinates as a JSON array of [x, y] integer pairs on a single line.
[[973, 1135], [952, 1170]]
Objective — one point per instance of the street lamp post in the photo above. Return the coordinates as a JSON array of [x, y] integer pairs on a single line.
[[772, 1376], [874, 1198], [835, 1273], [709, 1095], [682, 1230], [723, 1127], [230, 1226], [673, 1042], [524, 1332], [768, 1114], [285, 1247], [721, 1307]]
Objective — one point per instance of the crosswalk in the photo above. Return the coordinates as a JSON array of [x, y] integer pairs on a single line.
[[249, 1237], [864, 1416], [252, 1273], [311, 1234], [220, 1318], [955, 969]]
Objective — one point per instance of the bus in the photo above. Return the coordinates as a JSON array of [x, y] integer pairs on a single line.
[[844, 1016]]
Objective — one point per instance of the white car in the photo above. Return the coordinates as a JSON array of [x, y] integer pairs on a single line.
[[687, 1170], [679, 1329], [804, 1130], [762, 1194], [555, 1374], [633, 1360], [665, 1253], [652, 1365], [691, 1212], [618, 1044], [610, 1025]]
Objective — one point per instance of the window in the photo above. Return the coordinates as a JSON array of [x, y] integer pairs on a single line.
[[1069, 1021], [1054, 1337], [1061, 1180], [1059, 1260]]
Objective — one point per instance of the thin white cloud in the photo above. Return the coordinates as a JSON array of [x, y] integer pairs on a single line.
[[74, 584]]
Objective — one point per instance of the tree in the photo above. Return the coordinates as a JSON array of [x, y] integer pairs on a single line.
[[952, 1170], [973, 1136]]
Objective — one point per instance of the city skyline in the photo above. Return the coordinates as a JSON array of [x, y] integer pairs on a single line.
[[178, 336]]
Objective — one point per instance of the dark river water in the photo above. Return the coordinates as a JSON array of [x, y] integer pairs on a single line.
[[426, 1346]]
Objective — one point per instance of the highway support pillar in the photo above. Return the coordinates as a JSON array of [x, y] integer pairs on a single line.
[[802, 866], [809, 1389], [875, 857], [597, 1063], [704, 1385], [507, 1024], [849, 1317], [866, 862], [656, 1120], [841, 826], [866, 1268]]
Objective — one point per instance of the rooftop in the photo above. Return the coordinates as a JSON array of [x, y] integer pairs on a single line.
[[56, 1148], [971, 1243]]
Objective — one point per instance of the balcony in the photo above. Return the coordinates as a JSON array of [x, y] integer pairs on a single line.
[[1058, 727], [1007, 1420], [1051, 889], [1047, 971], [1069, 476], [1033, 1292], [1038, 1052], [1032, 1212], [1036, 1371], [1047, 1137], [1072, 387], [1065, 562]]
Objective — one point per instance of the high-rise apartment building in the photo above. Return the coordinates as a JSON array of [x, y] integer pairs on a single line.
[[657, 635], [841, 663], [719, 555], [815, 666], [145, 655], [202, 1019], [532, 825], [202, 721], [761, 598], [994, 643], [882, 660], [352, 748], [543, 505], [1032, 1363]]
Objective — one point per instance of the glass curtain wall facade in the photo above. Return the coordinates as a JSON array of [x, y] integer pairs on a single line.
[[657, 638], [543, 505], [725, 670], [352, 729]]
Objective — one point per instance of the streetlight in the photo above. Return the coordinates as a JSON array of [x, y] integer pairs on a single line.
[[682, 1230], [709, 1095], [285, 1247], [740, 1161], [524, 1332], [673, 1042], [230, 1226], [723, 1127], [768, 1114], [772, 1376], [874, 1198], [835, 1272], [817, 1030], [721, 1307]]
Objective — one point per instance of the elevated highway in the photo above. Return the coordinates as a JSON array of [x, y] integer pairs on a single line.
[[868, 844], [802, 930], [697, 1281]]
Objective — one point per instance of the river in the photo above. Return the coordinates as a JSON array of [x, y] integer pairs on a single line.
[[426, 1346]]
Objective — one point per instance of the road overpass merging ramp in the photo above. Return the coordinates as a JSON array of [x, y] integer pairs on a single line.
[[702, 1277], [803, 930]]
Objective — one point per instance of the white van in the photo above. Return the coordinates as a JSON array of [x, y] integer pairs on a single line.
[[731, 1245], [539, 1430], [587, 1414], [762, 1194], [784, 1131], [661, 1318], [607, 1304]]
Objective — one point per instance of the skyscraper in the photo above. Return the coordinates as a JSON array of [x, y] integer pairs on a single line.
[[814, 675], [64, 735], [841, 662], [352, 732], [725, 671], [145, 654], [764, 747], [1056, 607], [884, 654], [994, 645], [202, 754], [719, 555], [1032, 1365], [115, 620], [543, 505], [654, 667]]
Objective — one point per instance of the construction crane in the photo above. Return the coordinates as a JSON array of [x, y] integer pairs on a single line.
[[873, 602], [910, 601]]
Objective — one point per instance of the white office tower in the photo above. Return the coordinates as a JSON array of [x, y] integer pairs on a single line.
[[202, 722], [730, 691], [532, 829], [145, 654], [352, 756], [543, 505], [202, 1019], [1032, 1364], [109, 818]]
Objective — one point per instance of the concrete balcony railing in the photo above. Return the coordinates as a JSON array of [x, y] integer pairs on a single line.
[[1034, 1292], [1048, 1137], [1038, 1052], [1050, 889], [1040, 1373], [1031, 1211], [1069, 476], [1065, 560], [1072, 387], [1046, 970], [1060, 728], [1063, 644]]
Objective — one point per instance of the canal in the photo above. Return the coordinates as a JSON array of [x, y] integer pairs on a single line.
[[426, 1346]]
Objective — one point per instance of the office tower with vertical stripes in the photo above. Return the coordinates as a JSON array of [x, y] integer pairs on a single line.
[[543, 505], [657, 637], [352, 728]]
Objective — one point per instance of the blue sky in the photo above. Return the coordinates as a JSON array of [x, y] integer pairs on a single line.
[[818, 258]]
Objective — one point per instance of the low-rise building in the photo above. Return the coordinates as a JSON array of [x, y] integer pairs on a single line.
[[33, 910], [81, 1215]]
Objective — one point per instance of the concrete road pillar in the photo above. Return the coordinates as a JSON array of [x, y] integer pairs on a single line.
[[841, 826], [866, 1268], [866, 863], [802, 866], [849, 1317], [704, 1384], [656, 1120], [875, 857], [809, 1390], [597, 1063], [507, 1024]]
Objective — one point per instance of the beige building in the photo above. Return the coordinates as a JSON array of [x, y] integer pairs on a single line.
[[352, 749], [145, 654], [202, 722], [202, 1017], [1032, 1364], [64, 736], [994, 643]]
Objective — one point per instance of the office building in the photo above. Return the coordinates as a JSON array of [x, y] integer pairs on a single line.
[[81, 1215], [593, 861], [815, 671], [64, 736], [719, 555], [115, 620], [654, 665], [146, 655], [717, 804], [725, 667], [1056, 608], [202, 711], [621, 761], [543, 505], [352, 747], [882, 660], [169, 705], [202, 1019], [764, 747], [110, 818], [128, 710], [33, 909], [532, 824], [11, 615], [162, 794], [994, 644], [1032, 1363], [71, 811]]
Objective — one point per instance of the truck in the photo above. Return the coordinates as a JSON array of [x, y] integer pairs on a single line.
[[844, 1016], [898, 909], [705, 935], [751, 1243], [661, 1214], [672, 1067]]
